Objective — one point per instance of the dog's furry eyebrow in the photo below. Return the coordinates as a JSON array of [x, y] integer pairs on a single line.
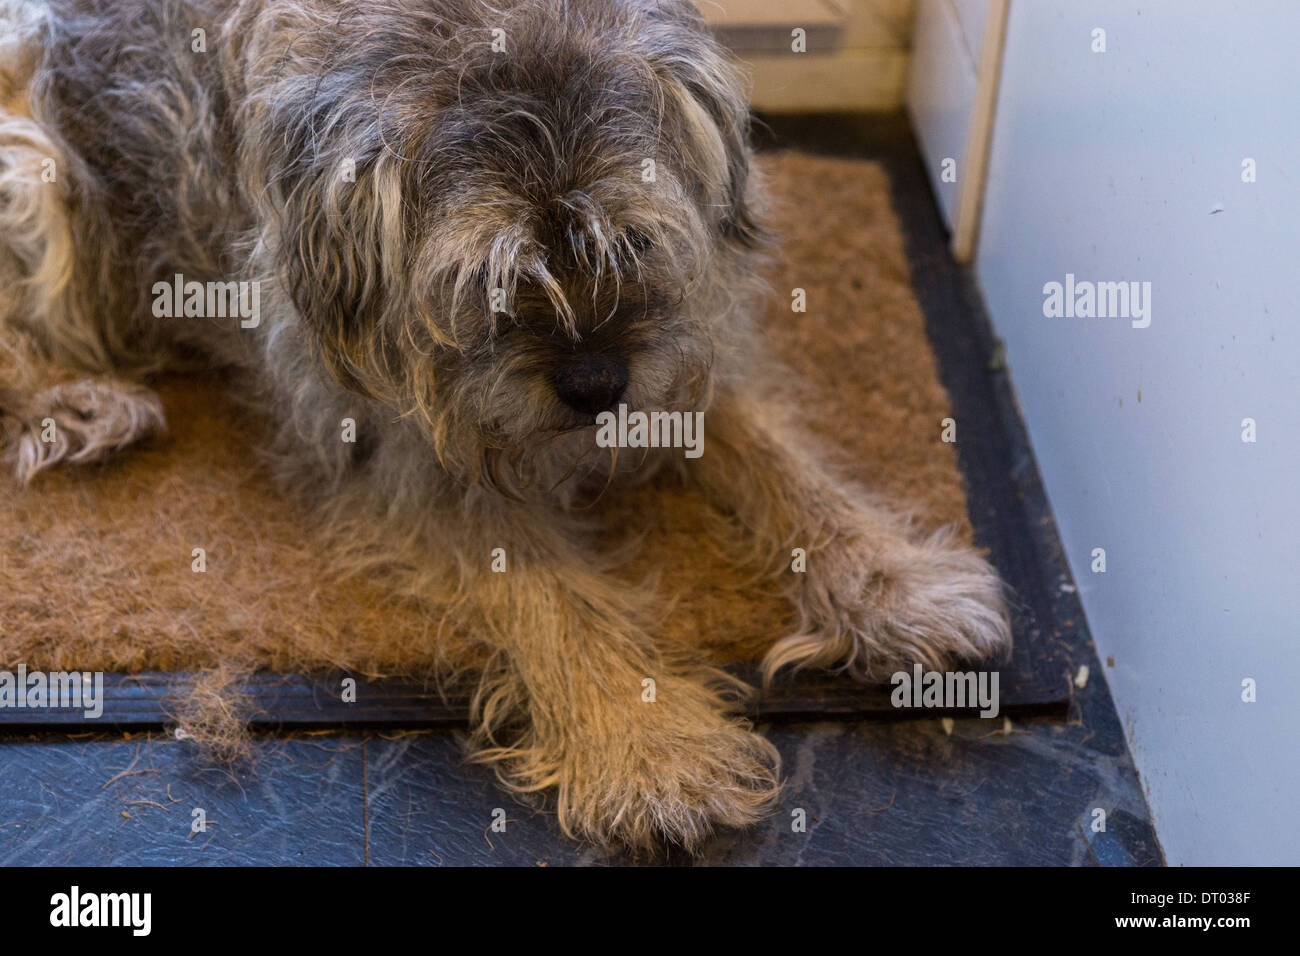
[[481, 260]]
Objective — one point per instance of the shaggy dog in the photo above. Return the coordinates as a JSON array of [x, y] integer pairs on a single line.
[[469, 228]]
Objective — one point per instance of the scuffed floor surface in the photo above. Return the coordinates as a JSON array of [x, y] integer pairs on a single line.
[[870, 794]]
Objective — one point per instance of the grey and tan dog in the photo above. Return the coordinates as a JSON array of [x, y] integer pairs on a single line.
[[471, 227]]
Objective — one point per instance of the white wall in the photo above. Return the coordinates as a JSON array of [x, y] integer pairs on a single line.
[[946, 47], [1111, 166]]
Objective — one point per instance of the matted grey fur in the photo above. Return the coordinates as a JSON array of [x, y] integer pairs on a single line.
[[472, 225]]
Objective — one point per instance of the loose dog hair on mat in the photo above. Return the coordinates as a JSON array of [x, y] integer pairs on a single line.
[[472, 229]]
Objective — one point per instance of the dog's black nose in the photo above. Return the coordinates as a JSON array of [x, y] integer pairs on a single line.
[[591, 384]]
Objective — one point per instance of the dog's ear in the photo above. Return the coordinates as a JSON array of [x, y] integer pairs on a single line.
[[719, 141], [343, 238], [707, 96]]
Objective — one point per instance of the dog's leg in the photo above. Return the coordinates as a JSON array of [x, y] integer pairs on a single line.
[[46, 417], [874, 594], [638, 749]]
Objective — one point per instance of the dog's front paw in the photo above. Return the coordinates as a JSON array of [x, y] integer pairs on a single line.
[[871, 610], [645, 774], [674, 788]]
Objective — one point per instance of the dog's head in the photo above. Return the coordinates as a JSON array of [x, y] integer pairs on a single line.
[[509, 220]]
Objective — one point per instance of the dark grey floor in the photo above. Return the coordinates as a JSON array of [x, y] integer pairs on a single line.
[[891, 792], [901, 793]]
